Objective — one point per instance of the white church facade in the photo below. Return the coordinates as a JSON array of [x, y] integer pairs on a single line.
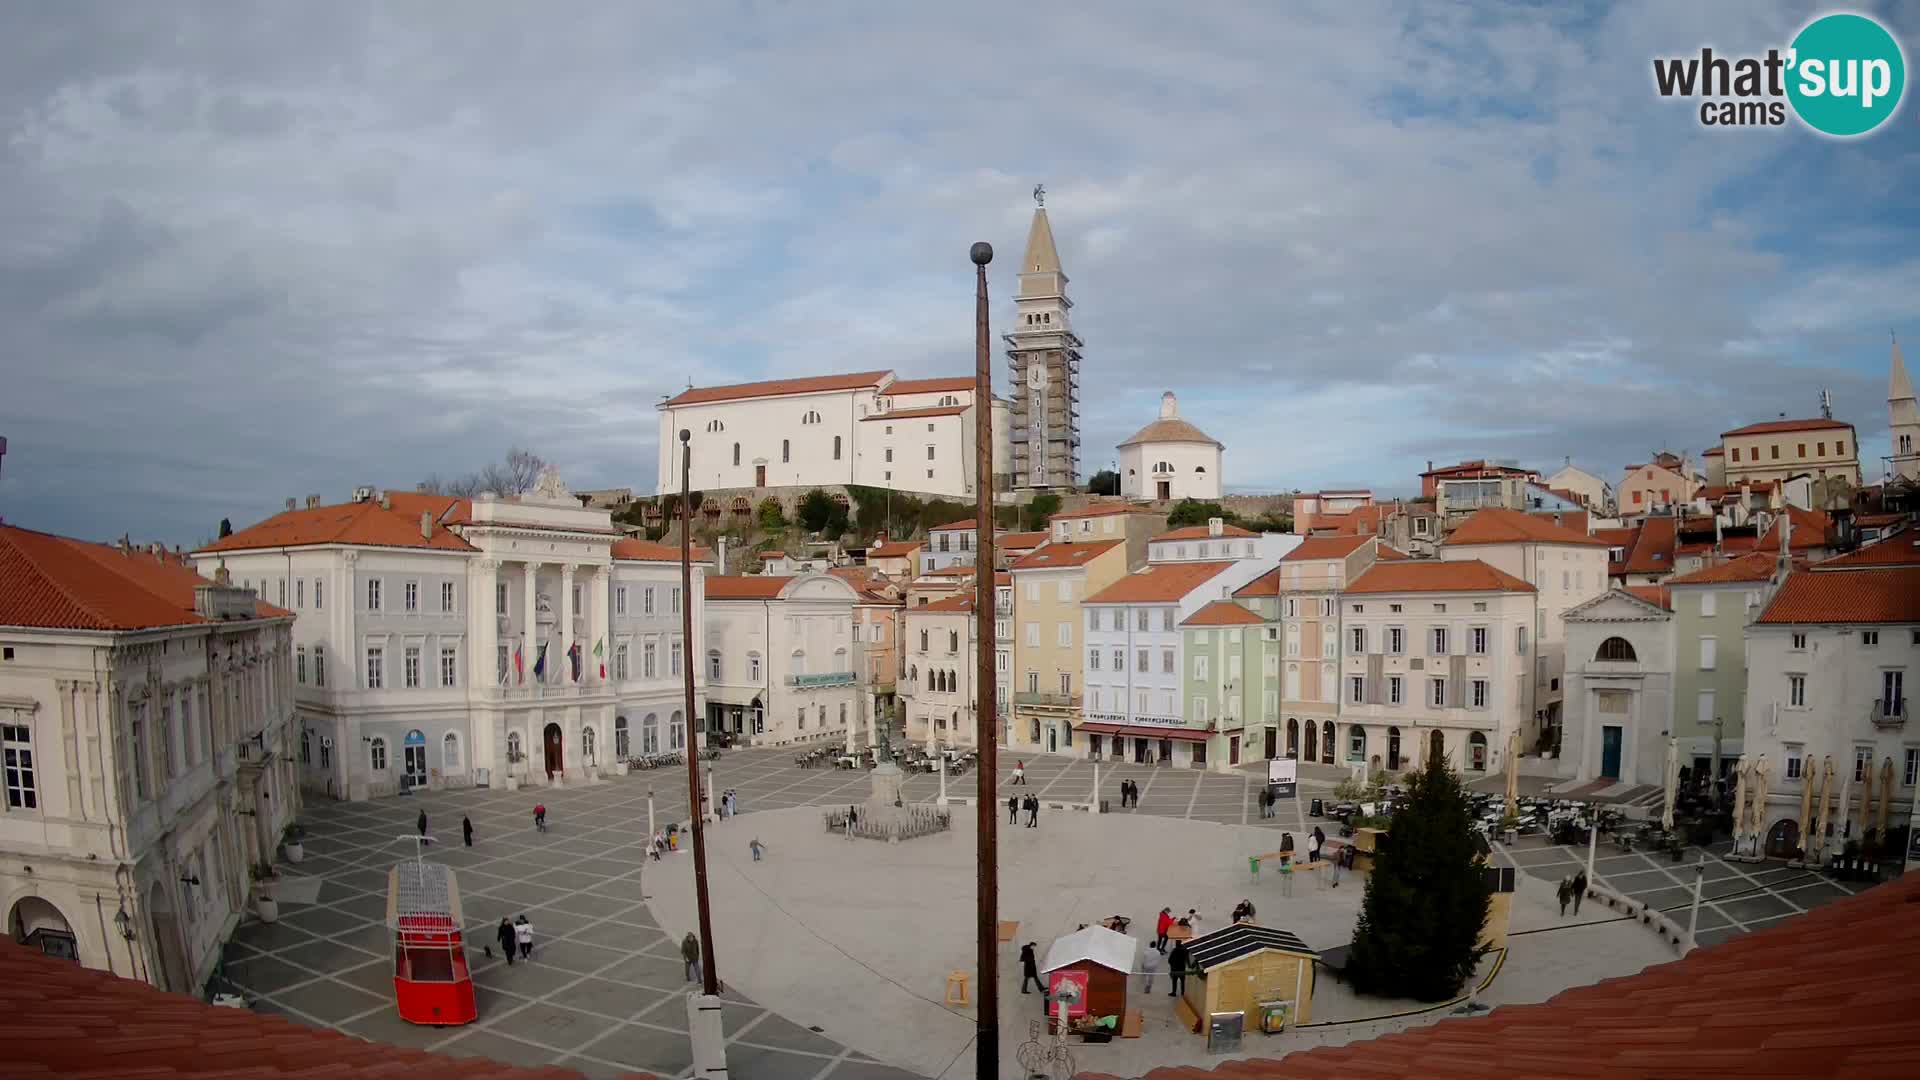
[[1170, 459]]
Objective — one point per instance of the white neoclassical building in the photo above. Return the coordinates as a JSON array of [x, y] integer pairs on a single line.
[[1170, 459], [445, 642], [1620, 656], [782, 662], [146, 720]]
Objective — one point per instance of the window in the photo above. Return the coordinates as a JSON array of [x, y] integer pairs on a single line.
[[1293, 608], [1396, 639], [1736, 457], [889, 453], [1862, 762], [282, 585], [673, 658], [377, 755], [300, 665], [753, 667], [1359, 639], [620, 600], [1912, 772], [1199, 667], [1520, 640], [1799, 641], [673, 600], [1166, 662], [1478, 637], [1709, 653], [1796, 762], [1033, 635], [1063, 635], [1869, 638], [300, 592], [1166, 618], [1063, 591], [373, 594], [649, 660], [1479, 693], [450, 751], [929, 449], [1326, 608], [449, 666], [446, 596], [499, 597], [1140, 617], [713, 664], [1120, 661], [1066, 683], [1614, 648], [411, 661], [620, 661], [376, 664], [786, 451], [1356, 689], [16, 744], [1356, 743], [1840, 447], [1802, 447], [1393, 690], [646, 600], [578, 608], [1439, 695], [1033, 682], [1093, 659], [319, 665], [1893, 692], [1439, 641], [1705, 714]]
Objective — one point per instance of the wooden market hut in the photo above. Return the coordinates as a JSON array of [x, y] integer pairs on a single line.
[[1101, 957], [1245, 965]]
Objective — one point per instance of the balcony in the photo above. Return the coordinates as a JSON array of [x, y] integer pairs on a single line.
[[1046, 701], [1889, 714], [829, 678]]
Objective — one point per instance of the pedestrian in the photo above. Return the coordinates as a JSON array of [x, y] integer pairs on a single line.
[[1177, 969], [1123, 794], [422, 823], [540, 817], [466, 830], [1149, 965], [1013, 809], [853, 818], [506, 936], [1579, 889], [1033, 812], [1160, 928], [690, 953], [1565, 893], [1339, 864], [756, 847], [1316, 844], [1030, 969], [523, 933], [1266, 802], [1019, 772]]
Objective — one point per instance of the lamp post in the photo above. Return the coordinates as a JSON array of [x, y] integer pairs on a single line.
[[986, 1064]]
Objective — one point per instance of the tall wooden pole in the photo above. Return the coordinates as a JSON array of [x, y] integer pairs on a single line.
[[987, 733], [710, 969]]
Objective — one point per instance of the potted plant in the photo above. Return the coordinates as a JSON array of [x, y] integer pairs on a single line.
[[264, 904], [295, 842]]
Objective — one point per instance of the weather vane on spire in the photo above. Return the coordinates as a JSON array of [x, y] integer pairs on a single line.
[[1040, 196]]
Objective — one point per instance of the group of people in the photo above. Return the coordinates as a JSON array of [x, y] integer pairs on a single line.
[[1031, 804], [517, 934], [729, 804], [1243, 911], [1572, 889], [1129, 794]]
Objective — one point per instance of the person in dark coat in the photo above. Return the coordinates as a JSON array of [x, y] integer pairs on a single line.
[[505, 934], [1013, 809], [1030, 969], [466, 830], [1565, 893], [1177, 969], [1579, 889], [422, 823], [1033, 812]]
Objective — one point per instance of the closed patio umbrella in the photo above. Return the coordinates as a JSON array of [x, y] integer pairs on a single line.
[[1673, 782], [1886, 794], [1808, 777], [1513, 774], [1741, 770], [1843, 813], [1759, 796], [1866, 800], [1820, 811]]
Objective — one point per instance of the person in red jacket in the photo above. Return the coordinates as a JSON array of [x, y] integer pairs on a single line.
[[1160, 928]]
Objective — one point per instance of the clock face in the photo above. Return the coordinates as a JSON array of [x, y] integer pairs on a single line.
[[1037, 376]]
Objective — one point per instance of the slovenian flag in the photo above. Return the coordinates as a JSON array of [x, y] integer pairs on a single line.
[[573, 655], [540, 664], [519, 664], [599, 653]]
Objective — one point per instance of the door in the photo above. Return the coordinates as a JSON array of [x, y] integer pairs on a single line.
[[1166, 490], [759, 476], [416, 765], [1093, 746], [1273, 739], [552, 743], [1393, 749], [1310, 741], [1893, 694], [1140, 751], [1438, 741], [1610, 752], [1166, 751], [1233, 750], [1053, 739]]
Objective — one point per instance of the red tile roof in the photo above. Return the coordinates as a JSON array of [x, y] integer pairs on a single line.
[[1900, 549], [1020, 541], [1575, 520], [1267, 584], [1657, 595], [1867, 595], [1102, 509], [772, 556], [362, 524], [1203, 532], [66, 1020], [1433, 575], [1387, 553], [1712, 451], [916, 414], [930, 386], [1754, 567], [1653, 547], [818, 384], [1325, 547], [745, 587], [961, 601], [1826, 994], [1497, 526], [1057, 555], [1809, 530], [896, 550], [1478, 467], [1159, 583], [964, 523], [1222, 613], [634, 549], [53, 582], [1769, 427]]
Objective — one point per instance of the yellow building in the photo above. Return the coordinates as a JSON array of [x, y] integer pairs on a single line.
[[1777, 449], [1048, 587]]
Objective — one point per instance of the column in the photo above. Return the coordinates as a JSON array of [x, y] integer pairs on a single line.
[[603, 621], [530, 647], [564, 640]]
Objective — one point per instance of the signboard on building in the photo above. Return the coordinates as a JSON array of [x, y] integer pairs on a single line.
[[1282, 777]]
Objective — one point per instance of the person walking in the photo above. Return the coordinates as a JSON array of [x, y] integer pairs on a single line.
[[1033, 812], [466, 830], [1149, 966], [1337, 864], [1579, 889], [1177, 969], [1019, 772], [756, 847], [690, 953], [1160, 928], [1266, 802], [1013, 809], [1123, 794], [1565, 893], [422, 823], [1030, 969], [506, 936], [1316, 844], [523, 933]]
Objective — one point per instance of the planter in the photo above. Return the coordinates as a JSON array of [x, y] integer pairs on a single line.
[[512, 783], [620, 768], [267, 908], [295, 851]]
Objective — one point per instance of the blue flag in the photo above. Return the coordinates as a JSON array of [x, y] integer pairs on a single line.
[[573, 654], [540, 665]]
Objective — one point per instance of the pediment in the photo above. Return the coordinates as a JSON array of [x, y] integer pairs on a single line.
[[1618, 606]]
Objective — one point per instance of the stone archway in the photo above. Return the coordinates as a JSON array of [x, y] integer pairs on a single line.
[[37, 924], [552, 744], [1783, 840], [175, 972]]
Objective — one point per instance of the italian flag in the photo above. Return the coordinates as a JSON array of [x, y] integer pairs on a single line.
[[600, 654]]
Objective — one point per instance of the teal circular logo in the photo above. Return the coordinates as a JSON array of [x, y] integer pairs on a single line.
[[1845, 75]]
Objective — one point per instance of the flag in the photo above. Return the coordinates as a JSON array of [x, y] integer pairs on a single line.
[[540, 664], [599, 653], [573, 656], [519, 664]]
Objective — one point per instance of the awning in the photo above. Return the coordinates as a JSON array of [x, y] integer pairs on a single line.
[[1146, 731]]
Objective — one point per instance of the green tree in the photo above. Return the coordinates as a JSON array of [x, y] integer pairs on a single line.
[[1195, 512], [1427, 898], [772, 517], [1104, 482], [1043, 506], [818, 512]]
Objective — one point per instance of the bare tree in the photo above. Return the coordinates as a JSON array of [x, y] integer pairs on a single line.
[[516, 476]]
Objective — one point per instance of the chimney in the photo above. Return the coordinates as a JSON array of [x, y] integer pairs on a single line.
[[426, 524], [386, 501], [1216, 526], [125, 546], [291, 504], [221, 575], [720, 556], [155, 549]]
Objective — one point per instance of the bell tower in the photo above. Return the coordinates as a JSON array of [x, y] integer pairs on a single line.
[[1903, 422], [1043, 358]]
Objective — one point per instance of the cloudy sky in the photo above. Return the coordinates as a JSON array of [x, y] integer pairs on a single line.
[[252, 251]]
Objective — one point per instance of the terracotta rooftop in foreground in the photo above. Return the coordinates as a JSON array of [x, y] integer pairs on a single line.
[[1827, 994], [56, 583], [817, 384], [66, 1020], [361, 524], [897, 549], [1899, 549], [1325, 547], [1657, 595], [1497, 526], [1864, 595], [1435, 576], [1753, 567]]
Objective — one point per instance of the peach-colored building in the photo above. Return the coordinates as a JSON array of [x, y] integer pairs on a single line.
[[1655, 485], [877, 627], [897, 559]]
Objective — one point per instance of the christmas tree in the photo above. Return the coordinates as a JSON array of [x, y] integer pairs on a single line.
[[1427, 898]]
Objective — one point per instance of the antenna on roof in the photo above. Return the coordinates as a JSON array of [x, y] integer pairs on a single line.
[[1826, 405]]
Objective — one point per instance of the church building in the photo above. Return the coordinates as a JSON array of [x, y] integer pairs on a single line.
[[1170, 459]]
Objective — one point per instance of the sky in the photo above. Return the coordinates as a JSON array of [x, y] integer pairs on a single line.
[[252, 252]]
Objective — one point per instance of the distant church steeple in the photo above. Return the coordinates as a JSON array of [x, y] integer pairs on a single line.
[[1903, 421], [1043, 358]]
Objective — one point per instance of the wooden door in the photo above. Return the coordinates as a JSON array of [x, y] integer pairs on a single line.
[[555, 762]]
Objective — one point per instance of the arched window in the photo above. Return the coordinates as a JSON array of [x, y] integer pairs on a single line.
[[1310, 741], [1199, 468], [736, 454], [840, 659], [836, 448], [514, 751], [923, 640], [621, 743], [1437, 744], [450, 752], [786, 450], [650, 734], [588, 741], [913, 676], [306, 747], [953, 641], [713, 664], [799, 661], [1293, 738], [1326, 742], [1356, 743], [1034, 730], [377, 755], [1616, 648], [1477, 752], [676, 732]]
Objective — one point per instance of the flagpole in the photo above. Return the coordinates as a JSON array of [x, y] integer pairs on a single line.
[[710, 969], [986, 733]]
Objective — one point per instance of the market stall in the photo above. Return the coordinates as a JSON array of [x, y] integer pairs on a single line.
[[1264, 974], [1096, 961]]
